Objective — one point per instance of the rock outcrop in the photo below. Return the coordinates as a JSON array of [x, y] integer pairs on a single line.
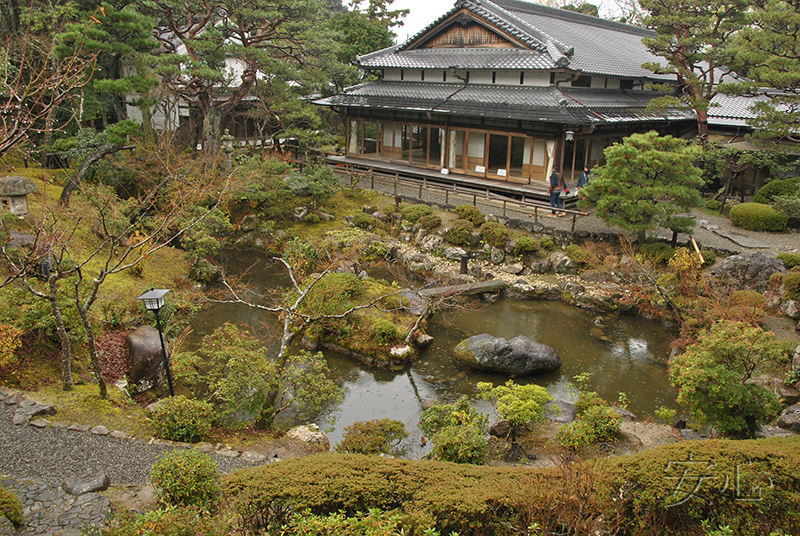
[[519, 356]]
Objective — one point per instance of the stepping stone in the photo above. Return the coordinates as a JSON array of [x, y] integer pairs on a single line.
[[80, 486], [205, 447], [100, 430], [119, 435], [14, 398], [40, 423], [740, 239], [253, 457], [228, 453]]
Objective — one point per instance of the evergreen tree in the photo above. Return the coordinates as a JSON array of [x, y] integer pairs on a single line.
[[649, 181], [694, 37]]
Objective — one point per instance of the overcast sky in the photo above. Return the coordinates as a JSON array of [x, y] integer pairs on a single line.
[[423, 12]]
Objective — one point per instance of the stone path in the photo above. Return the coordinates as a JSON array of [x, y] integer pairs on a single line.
[[51, 510]]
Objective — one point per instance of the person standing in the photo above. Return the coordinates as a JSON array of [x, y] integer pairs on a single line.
[[583, 178], [556, 184]]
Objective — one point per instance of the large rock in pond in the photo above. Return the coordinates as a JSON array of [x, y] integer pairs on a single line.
[[520, 355], [147, 362]]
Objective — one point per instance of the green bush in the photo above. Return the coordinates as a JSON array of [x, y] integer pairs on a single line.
[[525, 245], [713, 204], [438, 416], [579, 255], [775, 188], [791, 286], [789, 205], [430, 222], [547, 244], [790, 260], [385, 331], [749, 299], [363, 220], [758, 217], [657, 252], [459, 232], [186, 478], [604, 422], [709, 256], [460, 444], [414, 213], [471, 213], [182, 419], [371, 437], [586, 400], [168, 521], [374, 523], [604, 495], [311, 218], [494, 234], [11, 507]]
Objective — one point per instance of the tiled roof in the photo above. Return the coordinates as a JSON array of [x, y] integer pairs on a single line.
[[557, 38], [539, 104]]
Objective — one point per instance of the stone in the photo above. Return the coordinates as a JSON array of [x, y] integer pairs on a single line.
[[514, 269], [401, 351], [324, 216], [81, 486], [147, 361], [498, 256], [454, 254], [561, 263], [501, 429], [24, 414], [40, 423], [540, 266], [249, 223], [749, 271], [228, 453], [253, 457], [205, 447], [117, 434], [26, 403], [560, 411], [3, 393], [626, 415], [791, 308], [80, 427], [6, 527], [310, 434], [152, 408], [100, 430], [789, 418], [520, 355], [423, 340], [574, 288], [14, 398]]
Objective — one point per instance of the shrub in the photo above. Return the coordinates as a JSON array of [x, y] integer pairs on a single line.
[[459, 232], [301, 256], [186, 478], [789, 205], [10, 342], [413, 213], [312, 218], [520, 405], [11, 507], [168, 521], [385, 331], [460, 444], [713, 204], [709, 256], [604, 422], [362, 220], [471, 213], [374, 523], [790, 260], [182, 419], [749, 299], [777, 188], [758, 217], [587, 400], [430, 222], [494, 234], [658, 252], [439, 416], [547, 244], [525, 245], [791, 286], [371, 437], [579, 255]]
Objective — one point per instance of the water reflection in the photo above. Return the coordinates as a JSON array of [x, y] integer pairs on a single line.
[[622, 356]]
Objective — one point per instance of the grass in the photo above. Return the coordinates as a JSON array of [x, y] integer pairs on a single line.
[[344, 203]]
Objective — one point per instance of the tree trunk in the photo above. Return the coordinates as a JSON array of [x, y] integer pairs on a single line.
[[66, 349], [48, 132], [148, 131], [674, 241], [702, 128], [93, 353], [76, 178], [211, 131]]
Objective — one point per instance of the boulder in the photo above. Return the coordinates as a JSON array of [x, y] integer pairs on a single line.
[[790, 418], [80, 486], [498, 256], [514, 269], [791, 308], [249, 223], [147, 362], [310, 434], [501, 429], [625, 414], [520, 355], [750, 271], [561, 411], [540, 266], [561, 263], [454, 254], [26, 412], [431, 243]]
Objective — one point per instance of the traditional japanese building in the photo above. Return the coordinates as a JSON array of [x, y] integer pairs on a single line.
[[504, 90]]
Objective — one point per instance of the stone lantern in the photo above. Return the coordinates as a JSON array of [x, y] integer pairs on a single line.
[[14, 194]]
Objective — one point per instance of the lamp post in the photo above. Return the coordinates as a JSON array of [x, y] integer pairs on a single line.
[[154, 300], [227, 147]]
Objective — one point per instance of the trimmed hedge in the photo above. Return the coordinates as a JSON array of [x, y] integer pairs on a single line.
[[643, 493], [790, 260], [183, 419], [775, 188], [495, 234], [413, 213], [471, 213], [758, 217], [11, 507], [458, 233]]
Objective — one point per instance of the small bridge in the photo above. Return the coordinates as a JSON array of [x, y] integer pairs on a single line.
[[421, 298]]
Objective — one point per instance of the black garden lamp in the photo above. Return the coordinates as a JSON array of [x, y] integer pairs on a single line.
[[154, 300]]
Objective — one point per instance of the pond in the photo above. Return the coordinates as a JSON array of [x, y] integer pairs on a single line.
[[622, 356]]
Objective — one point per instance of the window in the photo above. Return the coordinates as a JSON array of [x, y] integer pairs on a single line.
[[626, 84], [422, 75], [522, 78], [402, 74], [494, 77], [444, 76], [582, 81], [467, 78]]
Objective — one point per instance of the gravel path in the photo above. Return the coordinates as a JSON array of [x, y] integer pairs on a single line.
[[54, 455]]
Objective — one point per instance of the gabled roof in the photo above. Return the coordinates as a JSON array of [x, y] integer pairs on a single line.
[[547, 104], [536, 38]]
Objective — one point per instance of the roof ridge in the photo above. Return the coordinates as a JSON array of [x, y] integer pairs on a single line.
[[539, 9]]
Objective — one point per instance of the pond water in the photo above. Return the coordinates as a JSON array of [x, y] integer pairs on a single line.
[[623, 356]]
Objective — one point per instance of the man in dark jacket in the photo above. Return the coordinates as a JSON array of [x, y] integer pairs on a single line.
[[583, 178], [556, 184]]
